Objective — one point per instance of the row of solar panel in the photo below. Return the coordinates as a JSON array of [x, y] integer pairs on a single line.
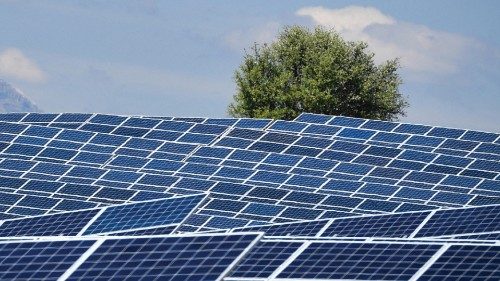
[[204, 134], [399, 162], [449, 223], [118, 218], [335, 260], [283, 165], [300, 124], [167, 172], [230, 190], [212, 257], [274, 162], [232, 193], [196, 258], [449, 146], [157, 216]]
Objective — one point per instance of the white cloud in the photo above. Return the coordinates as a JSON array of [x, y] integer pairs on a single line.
[[352, 18], [241, 39], [13, 63], [420, 48]]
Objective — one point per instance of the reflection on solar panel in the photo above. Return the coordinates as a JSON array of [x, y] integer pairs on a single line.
[[334, 198], [126, 217]]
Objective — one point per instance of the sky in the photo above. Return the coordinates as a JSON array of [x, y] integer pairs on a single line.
[[178, 58]]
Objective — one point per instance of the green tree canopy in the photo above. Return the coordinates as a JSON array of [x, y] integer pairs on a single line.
[[316, 71]]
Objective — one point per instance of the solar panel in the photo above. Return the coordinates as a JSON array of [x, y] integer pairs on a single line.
[[165, 258], [335, 197], [164, 213], [46, 260], [160, 212], [359, 261], [465, 262]]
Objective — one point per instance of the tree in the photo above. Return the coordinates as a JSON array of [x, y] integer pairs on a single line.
[[319, 72]]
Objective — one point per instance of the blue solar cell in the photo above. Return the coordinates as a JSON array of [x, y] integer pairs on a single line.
[[304, 151], [424, 141], [216, 152], [455, 198], [230, 188], [47, 260], [197, 258], [490, 185], [268, 147], [412, 129], [199, 169], [43, 132], [290, 126], [348, 146], [446, 132], [226, 205], [321, 130], [234, 173], [382, 151], [390, 137], [22, 149], [174, 126], [264, 259], [460, 221], [415, 193], [12, 128], [417, 156], [313, 118], [356, 261], [68, 224], [301, 213], [162, 135], [233, 142], [252, 123], [270, 177], [379, 125], [346, 121], [382, 206], [459, 144], [269, 193], [465, 262], [306, 181], [378, 189], [245, 134], [356, 133], [73, 117], [63, 154], [208, 129], [160, 212], [12, 117], [197, 138], [424, 177], [317, 164], [396, 226], [159, 180], [44, 186], [263, 209], [485, 165], [337, 155], [107, 119], [98, 128], [479, 136], [141, 122], [342, 185]]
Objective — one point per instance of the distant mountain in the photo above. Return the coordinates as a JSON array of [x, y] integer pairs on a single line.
[[13, 100]]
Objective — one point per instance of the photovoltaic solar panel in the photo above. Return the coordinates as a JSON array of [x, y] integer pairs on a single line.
[[169, 211], [460, 221], [46, 260], [359, 261], [68, 224], [465, 262], [334, 196], [164, 258]]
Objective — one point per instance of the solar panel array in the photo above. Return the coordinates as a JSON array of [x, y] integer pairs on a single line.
[[334, 198]]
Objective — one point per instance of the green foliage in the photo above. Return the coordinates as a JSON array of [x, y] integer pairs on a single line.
[[319, 72]]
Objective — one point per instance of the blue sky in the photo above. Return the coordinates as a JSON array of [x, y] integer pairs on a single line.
[[178, 58]]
